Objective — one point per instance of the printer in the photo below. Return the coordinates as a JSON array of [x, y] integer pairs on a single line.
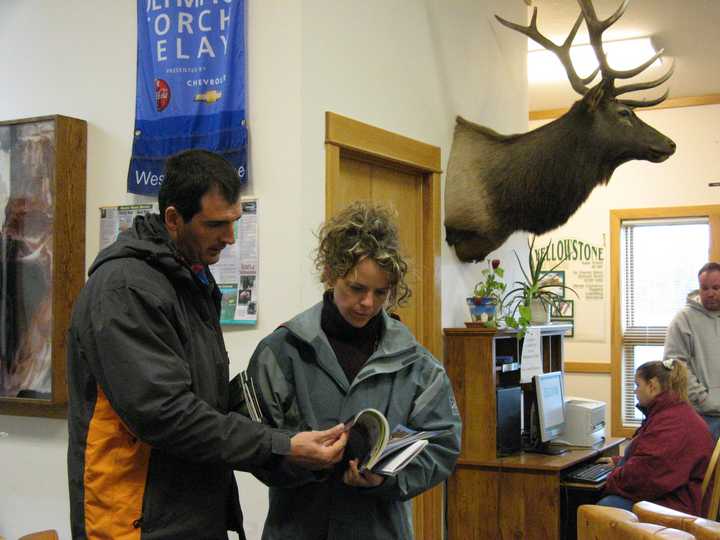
[[584, 422]]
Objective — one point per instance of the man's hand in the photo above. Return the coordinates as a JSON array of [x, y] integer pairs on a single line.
[[318, 449], [367, 479], [606, 460]]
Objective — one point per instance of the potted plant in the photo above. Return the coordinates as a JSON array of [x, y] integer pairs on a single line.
[[487, 294], [533, 298]]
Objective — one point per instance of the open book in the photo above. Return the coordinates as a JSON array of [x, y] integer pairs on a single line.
[[378, 449]]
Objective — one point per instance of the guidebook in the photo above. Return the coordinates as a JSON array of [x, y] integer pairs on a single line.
[[380, 450], [250, 396]]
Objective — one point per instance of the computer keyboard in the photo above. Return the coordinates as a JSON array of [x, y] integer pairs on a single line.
[[592, 473]]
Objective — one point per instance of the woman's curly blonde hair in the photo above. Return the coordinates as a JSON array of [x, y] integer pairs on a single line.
[[363, 230]]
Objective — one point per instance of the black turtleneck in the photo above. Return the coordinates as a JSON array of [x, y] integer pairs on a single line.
[[352, 346]]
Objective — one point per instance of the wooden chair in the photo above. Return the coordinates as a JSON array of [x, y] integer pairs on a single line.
[[50, 534], [712, 478], [700, 528], [605, 523]]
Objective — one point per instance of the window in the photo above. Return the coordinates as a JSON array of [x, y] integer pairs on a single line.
[[656, 254]]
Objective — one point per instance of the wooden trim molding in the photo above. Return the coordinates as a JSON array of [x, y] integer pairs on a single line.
[[588, 367], [68, 163], [432, 259], [370, 140], [673, 103], [332, 175]]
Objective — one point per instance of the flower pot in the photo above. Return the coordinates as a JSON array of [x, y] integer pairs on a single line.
[[539, 312], [482, 309]]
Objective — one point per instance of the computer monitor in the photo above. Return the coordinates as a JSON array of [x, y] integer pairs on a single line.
[[549, 419]]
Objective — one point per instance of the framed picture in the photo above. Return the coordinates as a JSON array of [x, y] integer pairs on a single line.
[[564, 309], [42, 258], [555, 280]]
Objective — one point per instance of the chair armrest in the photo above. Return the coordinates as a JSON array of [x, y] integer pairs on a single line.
[[704, 529], [648, 512], [50, 534], [628, 530], [601, 521]]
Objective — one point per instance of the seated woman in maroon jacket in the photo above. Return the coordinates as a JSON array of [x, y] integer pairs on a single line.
[[666, 460]]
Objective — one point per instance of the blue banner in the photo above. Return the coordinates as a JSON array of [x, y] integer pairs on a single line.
[[190, 85]]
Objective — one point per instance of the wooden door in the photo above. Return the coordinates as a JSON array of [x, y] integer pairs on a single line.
[[367, 163]]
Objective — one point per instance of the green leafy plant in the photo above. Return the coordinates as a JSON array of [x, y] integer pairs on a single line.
[[487, 295], [492, 285], [535, 286]]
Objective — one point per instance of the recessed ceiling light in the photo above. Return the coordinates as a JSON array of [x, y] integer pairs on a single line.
[[544, 66]]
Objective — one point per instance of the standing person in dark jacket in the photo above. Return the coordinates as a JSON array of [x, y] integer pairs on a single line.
[[343, 355], [666, 460], [153, 442]]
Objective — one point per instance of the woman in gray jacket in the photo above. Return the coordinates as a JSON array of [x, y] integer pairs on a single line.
[[343, 355]]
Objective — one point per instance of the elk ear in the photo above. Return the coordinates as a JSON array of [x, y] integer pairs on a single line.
[[594, 96]]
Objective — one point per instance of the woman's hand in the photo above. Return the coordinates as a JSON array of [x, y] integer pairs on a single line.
[[353, 477], [607, 460]]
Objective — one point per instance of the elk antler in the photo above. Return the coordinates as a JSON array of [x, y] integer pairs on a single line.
[[578, 83], [596, 27]]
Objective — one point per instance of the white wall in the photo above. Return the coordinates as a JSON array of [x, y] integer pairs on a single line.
[[73, 59], [425, 63], [408, 66], [682, 180]]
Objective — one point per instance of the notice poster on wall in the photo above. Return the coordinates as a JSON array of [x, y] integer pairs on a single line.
[[237, 270], [583, 269], [116, 219]]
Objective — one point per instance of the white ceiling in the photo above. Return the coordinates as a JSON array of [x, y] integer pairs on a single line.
[[688, 30]]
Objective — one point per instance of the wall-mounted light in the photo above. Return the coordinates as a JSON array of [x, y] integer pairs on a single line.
[[544, 67]]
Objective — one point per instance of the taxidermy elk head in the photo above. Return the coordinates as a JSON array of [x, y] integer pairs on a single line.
[[498, 184]]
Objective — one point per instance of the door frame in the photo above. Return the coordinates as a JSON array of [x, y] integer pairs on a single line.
[[345, 137]]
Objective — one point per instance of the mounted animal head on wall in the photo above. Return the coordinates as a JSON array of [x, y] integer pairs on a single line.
[[498, 184]]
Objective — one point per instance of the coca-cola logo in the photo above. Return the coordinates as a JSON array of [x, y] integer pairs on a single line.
[[162, 94]]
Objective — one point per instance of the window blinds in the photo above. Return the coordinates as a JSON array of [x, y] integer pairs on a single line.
[[659, 263]]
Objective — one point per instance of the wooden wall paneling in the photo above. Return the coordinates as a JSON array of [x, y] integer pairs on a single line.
[[431, 261], [473, 512], [588, 367], [715, 236], [526, 492], [393, 186], [493, 497], [370, 140], [616, 327], [476, 407]]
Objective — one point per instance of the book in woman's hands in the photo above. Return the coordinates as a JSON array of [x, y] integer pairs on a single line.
[[378, 449]]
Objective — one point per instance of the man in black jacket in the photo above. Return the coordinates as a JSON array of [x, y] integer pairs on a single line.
[[153, 442]]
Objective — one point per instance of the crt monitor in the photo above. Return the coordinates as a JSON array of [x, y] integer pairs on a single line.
[[550, 396]]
